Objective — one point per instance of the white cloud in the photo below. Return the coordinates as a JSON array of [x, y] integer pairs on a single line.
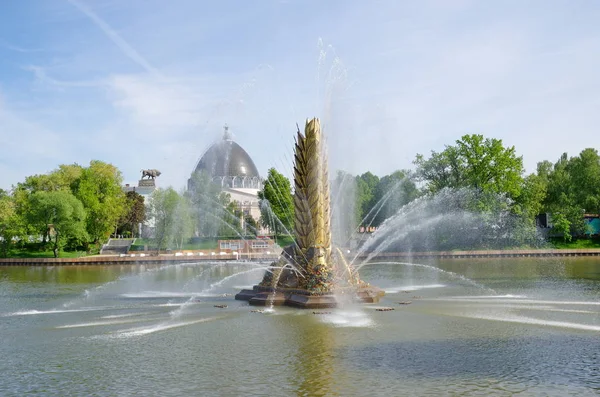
[[151, 101]]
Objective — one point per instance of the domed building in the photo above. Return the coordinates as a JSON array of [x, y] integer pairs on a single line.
[[230, 166]]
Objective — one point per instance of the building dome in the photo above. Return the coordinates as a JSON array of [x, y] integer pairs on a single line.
[[229, 164]]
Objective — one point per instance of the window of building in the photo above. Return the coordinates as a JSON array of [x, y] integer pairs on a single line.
[[229, 245], [260, 244]]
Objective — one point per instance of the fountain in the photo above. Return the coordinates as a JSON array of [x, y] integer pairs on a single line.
[[310, 273]]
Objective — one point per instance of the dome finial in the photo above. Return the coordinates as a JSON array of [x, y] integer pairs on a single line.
[[226, 133]]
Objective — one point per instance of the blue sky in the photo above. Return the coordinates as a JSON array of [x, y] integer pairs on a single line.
[[150, 83]]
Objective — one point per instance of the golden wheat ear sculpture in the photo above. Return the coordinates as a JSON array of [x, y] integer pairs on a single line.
[[309, 273], [311, 187]]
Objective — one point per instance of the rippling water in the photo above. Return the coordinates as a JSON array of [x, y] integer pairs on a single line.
[[474, 327]]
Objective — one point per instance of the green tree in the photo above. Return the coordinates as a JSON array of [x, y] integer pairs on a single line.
[[560, 201], [99, 189], [10, 223], [441, 170], [135, 212], [62, 214], [163, 209], [183, 225], [573, 188], [474, 162], [562, 225], [392, 193], [250, 227], [277, 203], [61, 179], [585, 179], [230, 217], [533, 193], [366, 186]]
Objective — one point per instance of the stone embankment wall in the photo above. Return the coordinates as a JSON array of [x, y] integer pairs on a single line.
[[134, 259], [489, 253]]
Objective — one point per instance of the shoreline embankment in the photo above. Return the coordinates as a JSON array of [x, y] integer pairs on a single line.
[[139, 259]]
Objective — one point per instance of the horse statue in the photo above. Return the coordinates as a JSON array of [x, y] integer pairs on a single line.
[[151, 174]]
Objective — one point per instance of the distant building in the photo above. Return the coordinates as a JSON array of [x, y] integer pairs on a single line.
[[230, 166], [592, 223], [263, 245], [543, 221], [145, 191]]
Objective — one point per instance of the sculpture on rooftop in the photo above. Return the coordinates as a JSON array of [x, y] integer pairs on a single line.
[[151, 174]]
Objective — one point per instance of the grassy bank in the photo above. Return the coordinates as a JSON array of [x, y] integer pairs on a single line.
[[24, 253], [581, 243], [140, 243]]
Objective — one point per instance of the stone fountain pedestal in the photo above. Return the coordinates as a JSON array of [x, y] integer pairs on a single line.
[[267, 296]]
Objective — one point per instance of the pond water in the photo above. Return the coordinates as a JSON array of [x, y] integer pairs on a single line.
[[473, 327]]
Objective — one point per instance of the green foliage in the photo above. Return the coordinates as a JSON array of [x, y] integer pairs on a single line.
[[135, 213], [230, 217], [277, 203], [250, 226], [183, 227], [368, 200], [501, 198], [99, 189], [71, 195], [533, 193], [575, 243], [366, 185], [214, 212], [10, 224], [585, 178], [284, 240], [562, 225], [61, 215], [393, 192], [474, 162], [573, 189], [163, 207]]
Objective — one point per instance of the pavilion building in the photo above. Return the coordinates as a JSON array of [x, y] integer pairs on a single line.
[[232, 168]]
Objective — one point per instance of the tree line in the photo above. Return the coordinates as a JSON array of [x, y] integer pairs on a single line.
[[72, 207], [77, 208], [567, 188]]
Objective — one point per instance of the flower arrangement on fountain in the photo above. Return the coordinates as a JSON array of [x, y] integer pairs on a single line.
[[320, 279]]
